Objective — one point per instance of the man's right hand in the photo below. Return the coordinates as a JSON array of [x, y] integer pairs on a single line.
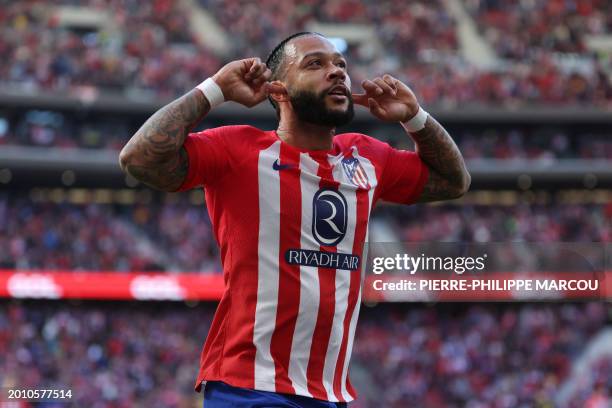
[[244, 81]]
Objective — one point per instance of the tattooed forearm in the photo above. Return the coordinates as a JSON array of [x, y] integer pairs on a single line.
[[155, 154], [448, 177]]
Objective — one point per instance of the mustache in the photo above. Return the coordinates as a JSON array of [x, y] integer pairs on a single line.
[[345, 91], [311, 107]]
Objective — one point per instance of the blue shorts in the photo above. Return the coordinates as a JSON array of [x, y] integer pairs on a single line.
[[221, 395]]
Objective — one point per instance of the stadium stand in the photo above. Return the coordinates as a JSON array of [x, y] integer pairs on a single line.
[[420, 43], [174, 234], [478, 356], [468, 355], [108, 356], [49, 128], [543, 26], [518, 223], [594, 390], [107, 237], [533, 123], [130, 45]]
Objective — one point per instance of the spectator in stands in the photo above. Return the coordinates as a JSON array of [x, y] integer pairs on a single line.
[[471, 355], [89, 236], [148, 49]]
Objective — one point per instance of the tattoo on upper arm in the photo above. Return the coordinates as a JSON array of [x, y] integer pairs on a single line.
[[448, 175], [157, 155]]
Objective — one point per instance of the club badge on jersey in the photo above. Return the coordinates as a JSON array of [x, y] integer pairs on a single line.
[[355, 172]]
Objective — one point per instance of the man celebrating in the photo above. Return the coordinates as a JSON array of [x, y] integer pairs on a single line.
[[290, 211]]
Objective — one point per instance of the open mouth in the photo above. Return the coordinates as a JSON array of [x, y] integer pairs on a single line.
[[338, 93], [339, 90], [337, 97]]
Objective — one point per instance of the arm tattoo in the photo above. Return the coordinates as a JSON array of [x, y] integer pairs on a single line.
[[155, 154], [448, 175]]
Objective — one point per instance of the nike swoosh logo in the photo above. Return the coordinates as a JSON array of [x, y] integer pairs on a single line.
[[278, 167]]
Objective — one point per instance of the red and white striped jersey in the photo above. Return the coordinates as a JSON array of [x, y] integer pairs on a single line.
[[291, 225]]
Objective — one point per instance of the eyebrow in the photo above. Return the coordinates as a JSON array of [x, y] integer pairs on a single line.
[[321, 54]]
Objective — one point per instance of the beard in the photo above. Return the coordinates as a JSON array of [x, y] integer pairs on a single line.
[[311, 108]]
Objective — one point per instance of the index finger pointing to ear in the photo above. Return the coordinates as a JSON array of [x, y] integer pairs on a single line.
[[360, 99], [257, 70], [262, 77], [390, 81], [371, 88], [274, 88], [267, 74]]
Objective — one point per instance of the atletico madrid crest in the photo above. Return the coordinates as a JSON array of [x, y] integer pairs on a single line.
[[355, 172]]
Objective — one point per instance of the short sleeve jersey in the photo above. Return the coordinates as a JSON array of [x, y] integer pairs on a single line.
[[291, 226]]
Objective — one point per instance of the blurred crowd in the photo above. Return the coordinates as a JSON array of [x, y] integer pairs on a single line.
[[520, 30], [148, 48], [491, 223], [139, 47], [114, 355], [595, 389], [70, 237], [42, 128], [547, 45], [533, 145], [419, 44], [175, 235], [480, 355]]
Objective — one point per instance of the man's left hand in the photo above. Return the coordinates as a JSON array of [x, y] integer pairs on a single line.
[[388, 99]]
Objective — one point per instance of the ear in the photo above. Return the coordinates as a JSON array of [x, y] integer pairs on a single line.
[[277, 91]]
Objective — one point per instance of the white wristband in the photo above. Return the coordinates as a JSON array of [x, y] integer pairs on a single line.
[[417, 122], [212, 92]]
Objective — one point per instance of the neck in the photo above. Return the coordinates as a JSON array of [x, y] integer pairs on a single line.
[[304, 135]]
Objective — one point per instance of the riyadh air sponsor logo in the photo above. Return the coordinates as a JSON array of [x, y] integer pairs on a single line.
[[26, 285], [157, 288], [355, 172], [322, 259], [329, 216]]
